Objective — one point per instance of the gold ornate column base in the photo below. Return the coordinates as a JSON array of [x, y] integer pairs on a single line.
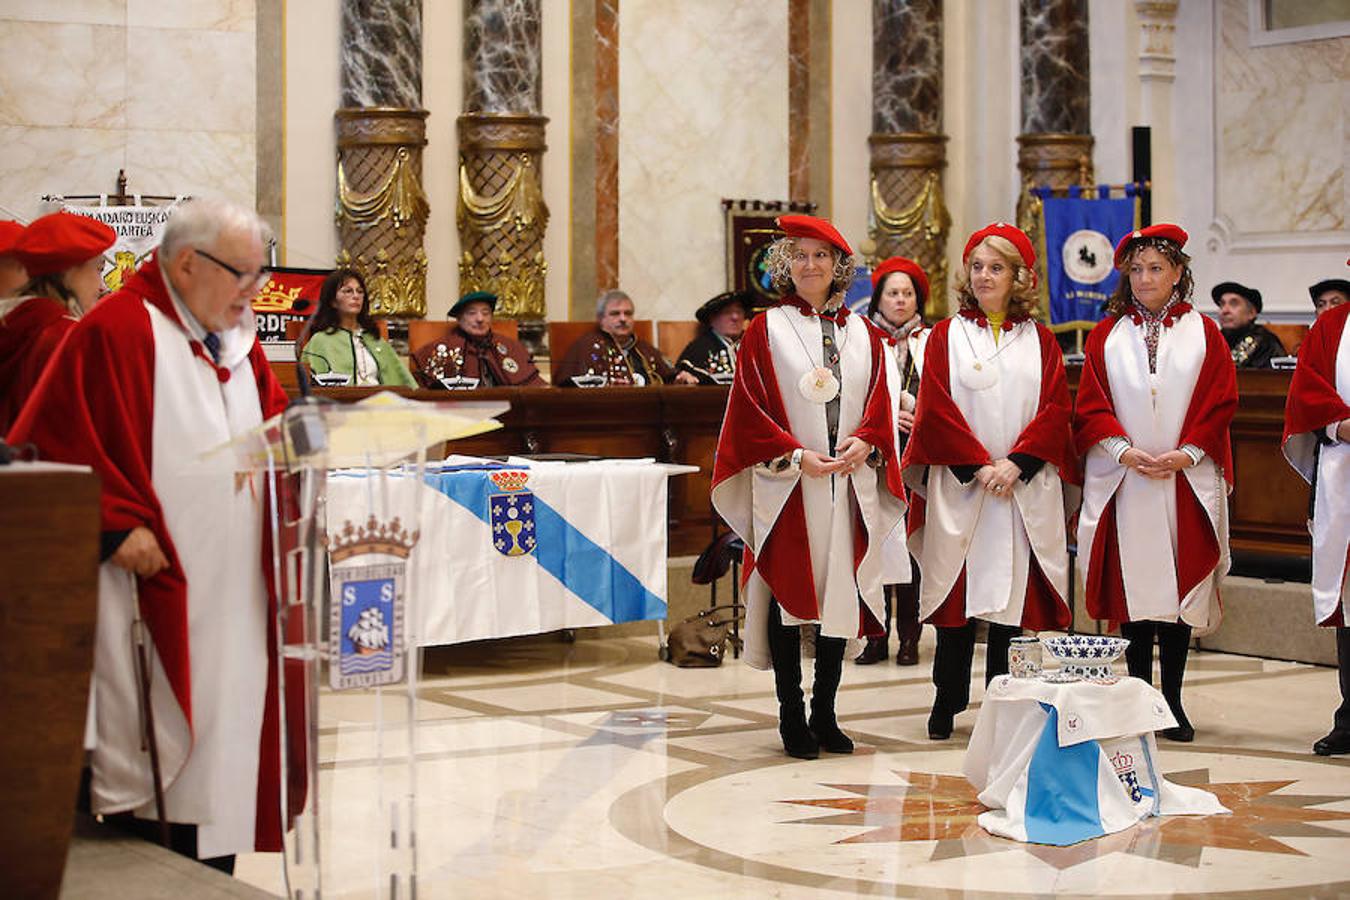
[[1048, 160], [909, 215], [381, 207], [502, 216]]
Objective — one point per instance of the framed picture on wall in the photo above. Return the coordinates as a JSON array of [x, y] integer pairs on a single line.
[[750, 229]]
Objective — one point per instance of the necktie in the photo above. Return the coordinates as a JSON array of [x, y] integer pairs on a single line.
[[212, 342]]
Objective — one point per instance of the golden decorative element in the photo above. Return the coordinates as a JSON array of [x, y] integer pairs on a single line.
[[501, 211], [373, 537], [395, 285], [1048, 160], [398, 197], [909, 214], [382, 210]]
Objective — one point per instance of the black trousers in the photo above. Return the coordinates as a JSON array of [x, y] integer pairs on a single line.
[[903, 599], [1174, 643], [1342, 719], [955, 655]]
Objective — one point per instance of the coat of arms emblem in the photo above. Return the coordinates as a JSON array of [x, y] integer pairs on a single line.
[[511, 514]]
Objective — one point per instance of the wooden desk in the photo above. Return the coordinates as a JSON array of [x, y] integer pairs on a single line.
[[680, 424]]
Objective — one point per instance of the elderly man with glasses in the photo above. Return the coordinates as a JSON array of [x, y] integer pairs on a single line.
[[162, 371]]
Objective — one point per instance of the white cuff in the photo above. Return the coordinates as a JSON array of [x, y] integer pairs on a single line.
[[1194, 452], [1331, 432], [1115, 445]]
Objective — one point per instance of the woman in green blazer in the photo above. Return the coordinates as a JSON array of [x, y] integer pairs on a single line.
[[344, 340]]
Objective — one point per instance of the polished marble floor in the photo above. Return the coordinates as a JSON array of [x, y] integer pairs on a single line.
[[593, 770]]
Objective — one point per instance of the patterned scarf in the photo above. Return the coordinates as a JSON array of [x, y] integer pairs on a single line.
[[1154, 323]]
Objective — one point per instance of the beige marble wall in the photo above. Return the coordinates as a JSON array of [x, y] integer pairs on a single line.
[[703, 111], [165, 91]]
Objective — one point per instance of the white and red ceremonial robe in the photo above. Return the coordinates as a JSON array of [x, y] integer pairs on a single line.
[[1155, 550], [999, 559], [812, 544], [132, 394], [1319, 399]]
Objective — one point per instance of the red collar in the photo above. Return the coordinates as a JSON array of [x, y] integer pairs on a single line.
[[979, 318], [806, 309], [1169, 315], [149, 282]]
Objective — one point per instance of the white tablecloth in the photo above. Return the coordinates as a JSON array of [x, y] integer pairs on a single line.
[[1062, 763]]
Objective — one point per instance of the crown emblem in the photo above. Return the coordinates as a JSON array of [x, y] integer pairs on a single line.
[[510, 480], [1123, 762], [373, 537], [273, 298]]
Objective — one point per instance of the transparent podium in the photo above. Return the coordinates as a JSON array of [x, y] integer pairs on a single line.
[[350, 823]]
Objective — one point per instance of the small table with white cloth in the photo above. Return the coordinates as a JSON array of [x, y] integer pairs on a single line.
[[521, 547], [1067, 762]]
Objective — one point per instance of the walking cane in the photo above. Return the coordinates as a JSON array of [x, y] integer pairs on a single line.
[[148, 739]]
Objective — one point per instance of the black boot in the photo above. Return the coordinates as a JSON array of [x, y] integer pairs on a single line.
[[1174, 643], [1139, 654], [996, 650], [951, 677], [908, 628], [785, 649], [829, 668], [1337, 740], [878, 648]]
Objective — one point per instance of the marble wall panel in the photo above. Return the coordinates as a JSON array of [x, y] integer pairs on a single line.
[[193, 162], [210, 15], [85, 12], [1241, 67], [501, 56], [88, 90], [191, 80], [799, 100], [40, 161], [907, 66], [606, 143], [382, 53], [1055, 75], [704, 103]]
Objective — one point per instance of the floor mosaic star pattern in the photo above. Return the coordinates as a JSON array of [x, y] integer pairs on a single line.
[[943, 808]]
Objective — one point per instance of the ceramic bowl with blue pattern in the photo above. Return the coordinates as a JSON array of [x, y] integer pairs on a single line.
[[1085, 655]]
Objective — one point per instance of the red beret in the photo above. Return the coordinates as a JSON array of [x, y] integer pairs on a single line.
[[907, 266], [1011, 233], [811, 227], [9, 235], [61, 241], [1164, 230]]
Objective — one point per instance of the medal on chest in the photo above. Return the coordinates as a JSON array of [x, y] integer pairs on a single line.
[[818, 385], [981, 371]]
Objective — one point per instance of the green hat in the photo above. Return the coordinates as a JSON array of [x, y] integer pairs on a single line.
[[473, 297]]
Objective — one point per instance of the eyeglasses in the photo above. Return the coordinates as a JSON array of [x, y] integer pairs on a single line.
[[246, 280]]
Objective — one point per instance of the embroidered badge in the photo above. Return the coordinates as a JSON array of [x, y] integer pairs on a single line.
[[511, 514]]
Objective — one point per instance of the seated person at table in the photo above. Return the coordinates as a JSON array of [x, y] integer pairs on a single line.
[[343, 339], [472, 350], [1328, 294], [1252, 345], [612, 351], [711, 357]]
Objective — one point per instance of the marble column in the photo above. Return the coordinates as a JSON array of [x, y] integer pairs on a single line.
[[381, 130], [1055, 146], [1157, 73], [501, 213], [908, 214]]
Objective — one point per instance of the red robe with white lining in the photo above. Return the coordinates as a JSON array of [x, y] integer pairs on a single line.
[[999, 559], [29, 334], [1319, 396], [812, 544], [1156, 550], [130, 394]]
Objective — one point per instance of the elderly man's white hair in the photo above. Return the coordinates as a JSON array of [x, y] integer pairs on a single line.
[[607, 298], [200, 221]]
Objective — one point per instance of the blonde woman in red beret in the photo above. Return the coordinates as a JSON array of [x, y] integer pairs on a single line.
[[806, 474], [986, 462], [899, 291], [1157, 395], [63, 256]]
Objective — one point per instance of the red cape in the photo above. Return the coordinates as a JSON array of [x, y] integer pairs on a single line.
[[29, 336], [1313, 402], [1207, 418], [755, 429], [94, 406]]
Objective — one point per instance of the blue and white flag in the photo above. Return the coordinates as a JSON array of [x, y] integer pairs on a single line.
[[511, 550], [1080, 241]]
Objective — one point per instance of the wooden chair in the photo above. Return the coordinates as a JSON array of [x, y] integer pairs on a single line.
[[1291, 334], [672, 336], [421, 333], [562, 335]]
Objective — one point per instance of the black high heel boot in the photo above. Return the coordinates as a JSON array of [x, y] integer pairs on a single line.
[[1139, 654], [1174, 643], [951, 676], [785, 649], [829, 668]]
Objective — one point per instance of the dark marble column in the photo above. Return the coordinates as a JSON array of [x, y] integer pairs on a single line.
[[908, 214], [501, 213], [1055, 146], [381, 130]]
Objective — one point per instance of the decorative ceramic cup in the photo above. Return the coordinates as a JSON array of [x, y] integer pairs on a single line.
[[1024, 657]]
